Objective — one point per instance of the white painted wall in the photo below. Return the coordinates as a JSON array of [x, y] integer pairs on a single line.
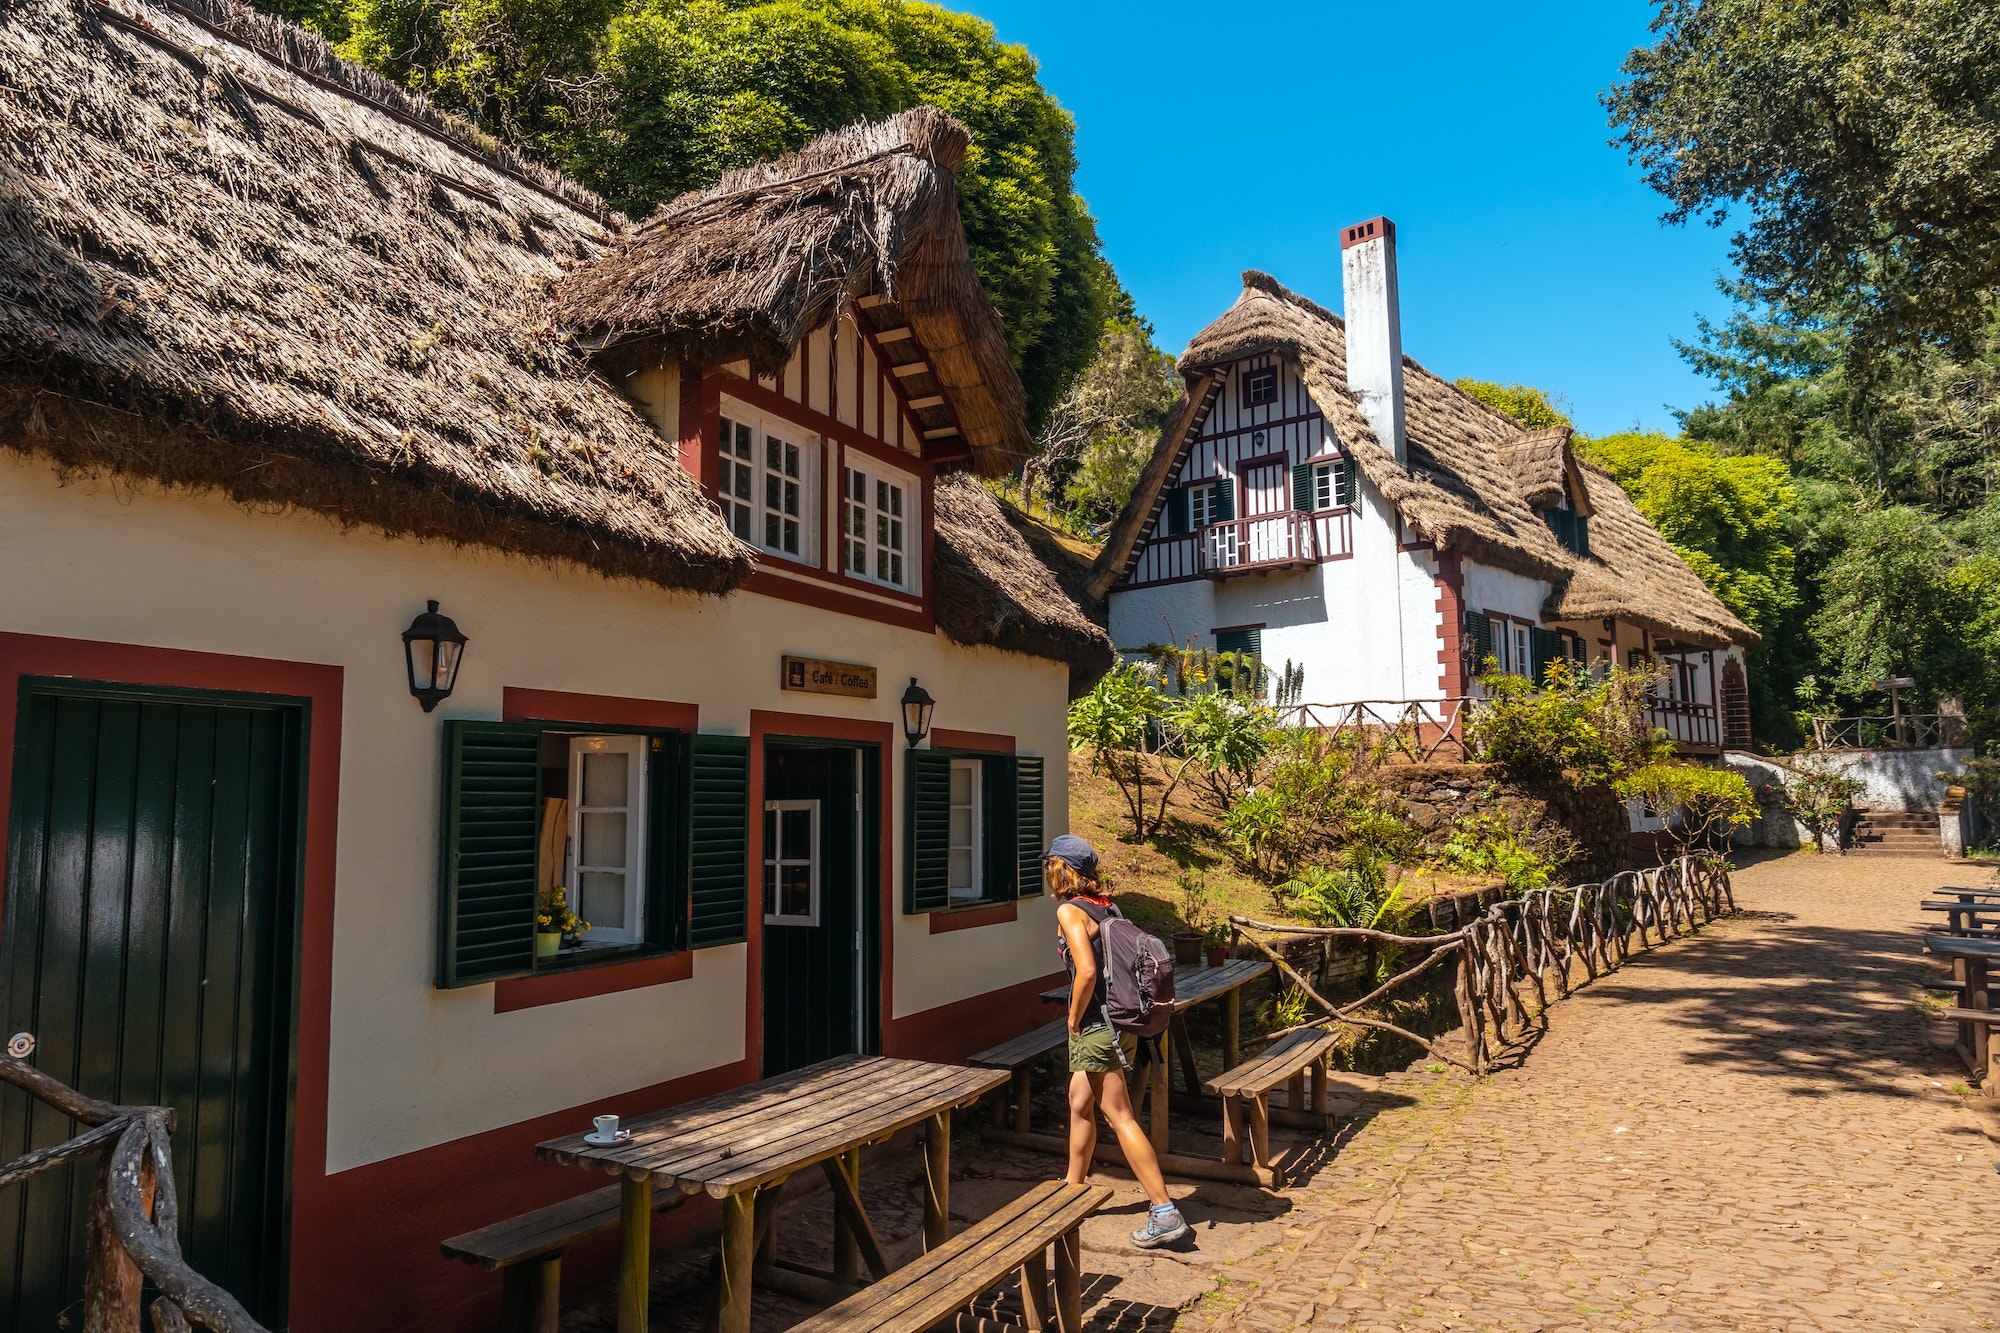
[[1900, 779], [412, 1066]]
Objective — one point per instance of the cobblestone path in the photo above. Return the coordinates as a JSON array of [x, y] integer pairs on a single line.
[[1747, 1129]]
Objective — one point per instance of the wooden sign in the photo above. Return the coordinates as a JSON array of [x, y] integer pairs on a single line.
[[812, 676]]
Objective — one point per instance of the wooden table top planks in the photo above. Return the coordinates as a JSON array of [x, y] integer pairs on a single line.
[[1193, 985], [745, 1138], [1963, 946]]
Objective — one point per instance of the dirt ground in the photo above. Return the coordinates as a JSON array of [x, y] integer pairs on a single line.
[[1752, 1128]]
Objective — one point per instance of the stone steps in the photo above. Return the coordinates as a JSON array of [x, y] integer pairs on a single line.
[[1897, 833]]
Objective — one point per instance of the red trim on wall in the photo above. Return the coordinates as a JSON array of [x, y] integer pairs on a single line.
[[317, 1286], [602, 710], [756, 395], [956, 1030], [766, 723], [821, 592], [966, 918], [1451, 624], [583, 982], [992, 742]]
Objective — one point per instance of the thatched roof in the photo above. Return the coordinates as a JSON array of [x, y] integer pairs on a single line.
[[992, 589], [229, 260], [1474, 481], [750, 266]]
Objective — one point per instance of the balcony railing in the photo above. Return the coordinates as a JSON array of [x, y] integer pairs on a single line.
[[1268, 541], [1691, 726]]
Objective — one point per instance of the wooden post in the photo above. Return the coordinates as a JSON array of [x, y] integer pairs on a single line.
[[739, 1247], [1295, 1092], [1232, 1128], [1069, 1282], [1024, 1092], [1319, 1086], [1232, 1027], [1260, 1130], [544, 1293], [937, 1181], [1035, 1291], [111, 1281], [635, 1252], [1184, 1052], [846, 1253], [1156, 1119]]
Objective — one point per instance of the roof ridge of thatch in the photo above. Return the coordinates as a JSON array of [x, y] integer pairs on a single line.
[[1255, 279], [919, 131], [310, 56]]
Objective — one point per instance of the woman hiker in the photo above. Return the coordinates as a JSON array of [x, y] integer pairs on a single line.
[[1097, 1055]]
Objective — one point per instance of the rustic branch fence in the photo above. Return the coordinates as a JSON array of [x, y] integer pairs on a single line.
[[134, 1216], [1521, 944]]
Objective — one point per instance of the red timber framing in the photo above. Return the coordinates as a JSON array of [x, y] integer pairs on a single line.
[[1228, 437], [842, 387]]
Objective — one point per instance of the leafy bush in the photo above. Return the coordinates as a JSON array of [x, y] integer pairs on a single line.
[[1125, 723], [1573, 722], [1314, 800], [1488, 844], [1710, 803], [1225, 738], [1818, 793], [1354, 895]]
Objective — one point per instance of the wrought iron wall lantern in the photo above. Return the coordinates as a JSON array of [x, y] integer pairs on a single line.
[[432, 650], [917, 706]]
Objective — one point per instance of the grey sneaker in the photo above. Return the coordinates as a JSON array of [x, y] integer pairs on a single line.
[[1160, 1231]]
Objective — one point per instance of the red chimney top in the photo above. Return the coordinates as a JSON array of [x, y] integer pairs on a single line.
[[1367, 231]]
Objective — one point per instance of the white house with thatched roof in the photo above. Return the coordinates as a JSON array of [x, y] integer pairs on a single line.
[[1320, 499], [285, 355]]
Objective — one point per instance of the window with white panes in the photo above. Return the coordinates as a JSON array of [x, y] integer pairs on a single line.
[[1523, 658], [791, 863], [965, 832], [878, 527], [1202, 508], [607, 804], [766, 486]]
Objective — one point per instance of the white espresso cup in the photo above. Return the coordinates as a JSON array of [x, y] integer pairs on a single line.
[[607, 1126]]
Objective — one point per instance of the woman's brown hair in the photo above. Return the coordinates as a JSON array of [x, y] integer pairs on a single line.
[[1065, 880]]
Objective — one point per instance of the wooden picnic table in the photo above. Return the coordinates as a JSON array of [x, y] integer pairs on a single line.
[[1972, 959], [1966, 917], [740, 1146]]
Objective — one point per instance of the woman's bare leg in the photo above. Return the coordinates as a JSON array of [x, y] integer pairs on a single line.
[[1083, 1094], [1117, 1104]]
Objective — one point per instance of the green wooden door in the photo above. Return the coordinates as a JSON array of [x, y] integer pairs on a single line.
[[147, 946]]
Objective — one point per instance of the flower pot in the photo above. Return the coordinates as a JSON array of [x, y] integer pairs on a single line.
[[1218, 954], [1187, 947], [547, 942]]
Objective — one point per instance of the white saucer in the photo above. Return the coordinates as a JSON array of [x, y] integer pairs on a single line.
[[603, 1142]]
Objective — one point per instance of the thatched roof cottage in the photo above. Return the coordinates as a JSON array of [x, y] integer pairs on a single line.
[[287, 354], [1321, 499]]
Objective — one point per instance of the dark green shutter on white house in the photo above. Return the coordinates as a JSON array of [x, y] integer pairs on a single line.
[[999, 850], [1246, 641], [1177, 510], [1225, 499], [1302, 488], [1343, 482], [927, 833], [666, 909], [1544, 647], [1478, 640], [718, 840], [1030, 784], [492, 823]]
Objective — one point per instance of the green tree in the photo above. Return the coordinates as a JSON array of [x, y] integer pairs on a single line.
[[1700, 806], [644, 99], [1098, 438], [1859, 138]]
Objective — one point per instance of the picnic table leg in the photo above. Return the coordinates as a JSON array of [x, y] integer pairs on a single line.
[[846, 1250], [1184, 1050], [1260, 1130], [1069, 1282], [937, 1180], [1978, 995], [1156, 1083], [1319, 1086], [1232, 1027], [1232, 1128], [1035, 1291], [1024, 1096], [739, 1254], [635, 1252]]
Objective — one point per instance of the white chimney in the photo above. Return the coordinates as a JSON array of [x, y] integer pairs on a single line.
[[1374, 328]]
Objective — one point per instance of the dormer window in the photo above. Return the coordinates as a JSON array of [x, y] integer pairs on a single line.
[[879, 508], [767, 487], [1260, 387], [1571, 529]]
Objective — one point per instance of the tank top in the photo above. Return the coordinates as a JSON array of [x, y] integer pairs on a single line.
[[1097, 909]]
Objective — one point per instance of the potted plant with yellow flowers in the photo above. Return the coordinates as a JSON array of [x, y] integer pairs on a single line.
[[555, 921]]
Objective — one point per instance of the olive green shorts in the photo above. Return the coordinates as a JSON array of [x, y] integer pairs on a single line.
[[1091, 1050]]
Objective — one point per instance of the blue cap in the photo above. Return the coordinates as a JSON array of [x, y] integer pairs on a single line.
[[1077, 854]]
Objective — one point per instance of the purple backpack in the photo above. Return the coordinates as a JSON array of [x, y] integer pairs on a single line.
[[1138, 973]]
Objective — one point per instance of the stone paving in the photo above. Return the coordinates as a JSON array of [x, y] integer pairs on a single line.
[[1747, 1129]]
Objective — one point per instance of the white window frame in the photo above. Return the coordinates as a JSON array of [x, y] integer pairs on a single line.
[[976, 849], [756, 510], [863, 523], [1252, 377], [773, 863], [1325, 486], [1523, 648], [1201, 505], [634, 810]]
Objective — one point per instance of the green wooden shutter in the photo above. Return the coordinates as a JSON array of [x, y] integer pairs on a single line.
[[492, 823], [1302, 488], [666, 866], [1248, 642], [1583, 535], [927, 833], [1030, 784], [1343, 482], [1544, 647], [1225, 499], [1478, 641], [999, 852], [718, 840], [1177, 510]]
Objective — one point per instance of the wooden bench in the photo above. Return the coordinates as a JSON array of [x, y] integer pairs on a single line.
[[1018, 1057], [931, 1289], [527, 1253], [1248, 1087], [1990, 1020]]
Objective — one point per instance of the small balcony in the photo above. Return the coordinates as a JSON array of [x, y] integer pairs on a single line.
[[1283, 540], [1694, 728]]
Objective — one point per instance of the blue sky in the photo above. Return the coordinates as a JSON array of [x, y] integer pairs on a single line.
[[1214, 138]]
